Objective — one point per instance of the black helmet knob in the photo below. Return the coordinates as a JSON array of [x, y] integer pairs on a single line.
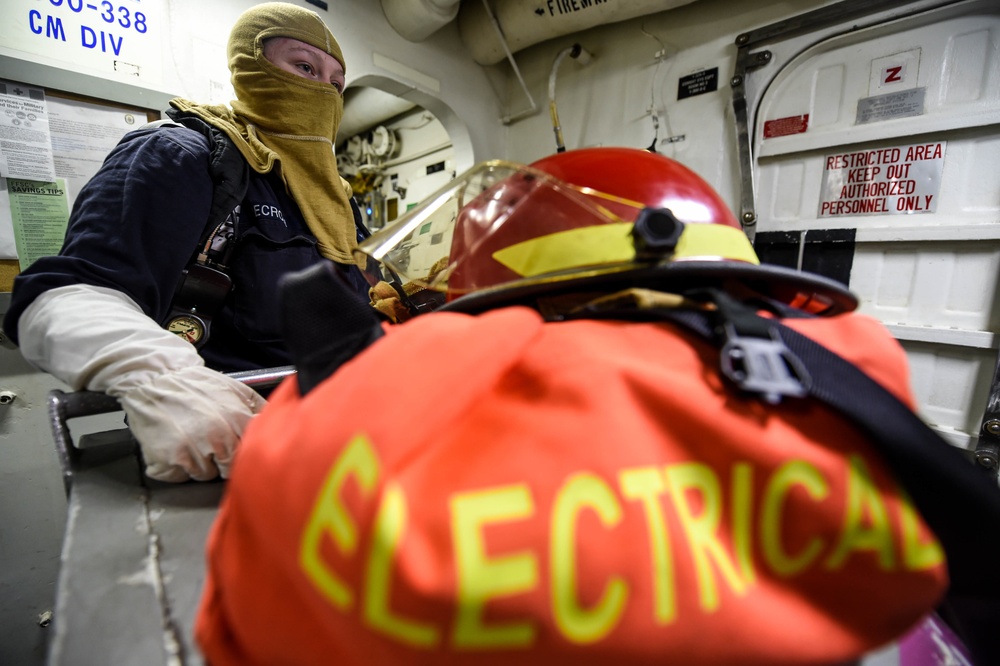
[[655, 233]]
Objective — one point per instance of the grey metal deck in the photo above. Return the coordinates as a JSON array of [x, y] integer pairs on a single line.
[[132, 562], [133, 555]]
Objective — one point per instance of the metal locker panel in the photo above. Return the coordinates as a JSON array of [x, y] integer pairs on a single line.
[[946, 380], [947, 284], [950, 53], [927, 268]]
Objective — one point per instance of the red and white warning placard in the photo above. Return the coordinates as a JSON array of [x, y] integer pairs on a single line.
[[885, 181]]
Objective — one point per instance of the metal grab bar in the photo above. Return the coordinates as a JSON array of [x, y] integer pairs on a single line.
[[65, 406]]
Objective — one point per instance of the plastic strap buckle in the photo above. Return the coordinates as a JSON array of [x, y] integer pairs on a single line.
[[763, 366]]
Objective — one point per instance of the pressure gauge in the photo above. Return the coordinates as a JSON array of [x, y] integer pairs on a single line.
[[187, 326]]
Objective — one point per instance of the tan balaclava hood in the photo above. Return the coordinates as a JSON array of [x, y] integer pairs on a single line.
[[280, 117]]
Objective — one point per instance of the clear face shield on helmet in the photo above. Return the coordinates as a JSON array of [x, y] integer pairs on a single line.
[[502, 224]]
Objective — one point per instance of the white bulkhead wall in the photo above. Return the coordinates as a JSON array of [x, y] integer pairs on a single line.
[[628, 94]]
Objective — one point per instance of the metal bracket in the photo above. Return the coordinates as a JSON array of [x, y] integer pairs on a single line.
[[65, 406], [987, 452], [745, 61]]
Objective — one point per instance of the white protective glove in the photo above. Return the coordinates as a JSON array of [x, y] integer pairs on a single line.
[[186, 417]]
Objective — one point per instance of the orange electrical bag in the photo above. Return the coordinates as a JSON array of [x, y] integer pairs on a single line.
[[498, 489]]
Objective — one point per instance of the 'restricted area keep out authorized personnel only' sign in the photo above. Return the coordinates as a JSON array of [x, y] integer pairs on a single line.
[[883, 181]]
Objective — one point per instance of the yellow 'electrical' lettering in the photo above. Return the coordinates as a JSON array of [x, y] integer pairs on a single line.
[[917, 555], [329, 517], [647, 485], [794, 472], [742, 505], [701, 530], [863, 499], [481, 577], [389, 527], [578, 624], [499, 558]]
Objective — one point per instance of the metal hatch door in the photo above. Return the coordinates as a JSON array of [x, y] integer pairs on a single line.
[[871, 154]]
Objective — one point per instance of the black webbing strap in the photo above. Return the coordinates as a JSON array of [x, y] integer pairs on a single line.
[[230, 174], [766, 359]]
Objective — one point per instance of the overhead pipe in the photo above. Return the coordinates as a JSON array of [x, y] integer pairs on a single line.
[[417, 155], [524, 23], [520, 23], [416, 20], [532, 106], [583, 57]]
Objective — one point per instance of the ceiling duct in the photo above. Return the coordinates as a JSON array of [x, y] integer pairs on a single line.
[[365, 108], [525, 23], [416, 20]]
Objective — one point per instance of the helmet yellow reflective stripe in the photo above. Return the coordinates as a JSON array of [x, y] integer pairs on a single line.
[[609, 244]]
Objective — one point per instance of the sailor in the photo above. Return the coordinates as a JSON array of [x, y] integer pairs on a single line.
[[168, 275]]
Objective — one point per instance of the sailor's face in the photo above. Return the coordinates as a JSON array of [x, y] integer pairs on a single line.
[[304, 60]]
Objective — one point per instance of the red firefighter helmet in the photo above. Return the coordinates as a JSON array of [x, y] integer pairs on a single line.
[[591, 220]]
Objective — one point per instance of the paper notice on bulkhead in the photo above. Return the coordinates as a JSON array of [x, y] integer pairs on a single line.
[[25, 142], [40, 212]]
